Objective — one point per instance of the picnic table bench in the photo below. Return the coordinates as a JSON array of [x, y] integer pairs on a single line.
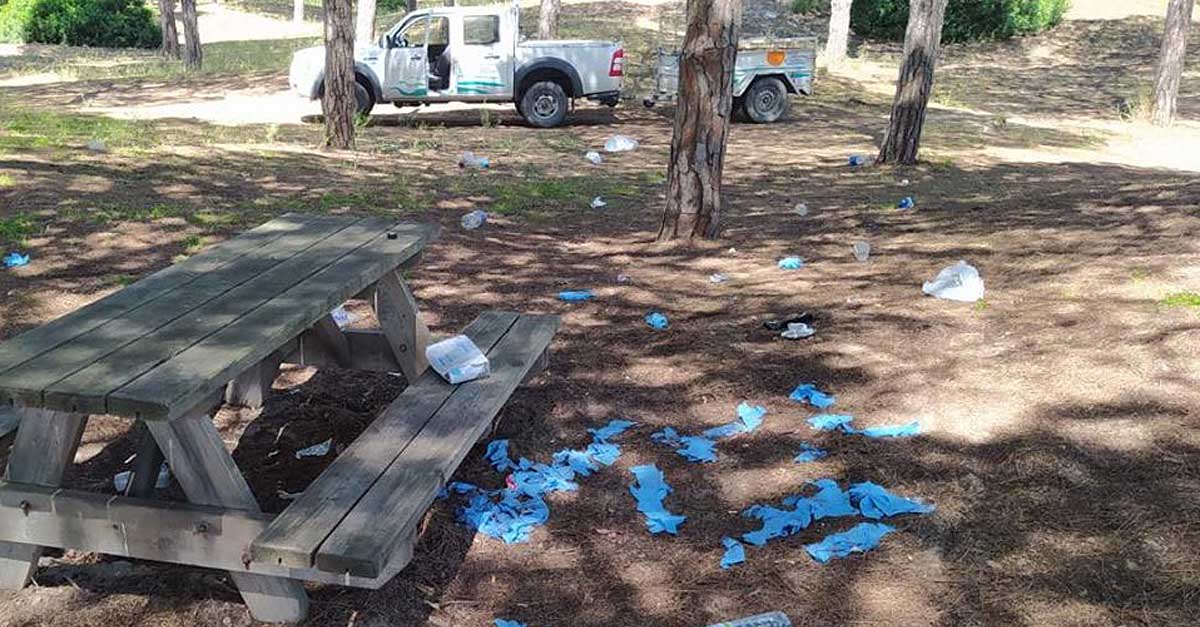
[[170, 348]]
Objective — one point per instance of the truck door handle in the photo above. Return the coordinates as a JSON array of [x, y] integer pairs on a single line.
[[416, 57], [491, 56]]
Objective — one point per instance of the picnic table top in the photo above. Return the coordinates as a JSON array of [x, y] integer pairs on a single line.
[[158, 347]]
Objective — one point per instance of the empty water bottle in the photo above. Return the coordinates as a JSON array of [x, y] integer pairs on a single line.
[[474, 220], [594, 157], [906, 203], [862, 250], [857, 160], [469, 160]]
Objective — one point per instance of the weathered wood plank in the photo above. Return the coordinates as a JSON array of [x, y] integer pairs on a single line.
[[8, 423], [28, 384], [164, 392], [369, 351], [402, 325], [365, 538], [294, 537], [45, 445], [250, 284], [209, 476], [332, 340], [252, 387], [18, 350], [144, 474]]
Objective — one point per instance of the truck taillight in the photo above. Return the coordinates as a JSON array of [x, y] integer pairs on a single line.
[[617, 67]]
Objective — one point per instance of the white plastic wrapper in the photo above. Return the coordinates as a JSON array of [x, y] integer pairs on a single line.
[[960, 282], [458, 360]]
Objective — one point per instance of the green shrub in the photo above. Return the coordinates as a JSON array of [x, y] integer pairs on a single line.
[[805, 7], [97, 23], [966, 20]]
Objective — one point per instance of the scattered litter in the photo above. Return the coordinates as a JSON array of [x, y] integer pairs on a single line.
[[537, 479], [808, 393], [611, 430], [500, 622], [458, 360], [342, 317], [791, 263], [697, 449], [960, 282], [800, 209], [857, 160], [650, 490], [95, 145], [830, 422], [506, 515], [862, 250], [777, 523], [15, 259], [497, 455], [474, 220], [781, 323], [718, 278], [874, 501], [623, 278], [906, 203], [798, 331], [829, 501], [749, 419], [287, 496], [772, 619], [845, 424], [598, 203], [905, 182], [469, 160], [732, 250], [575, 296], [735, 553], [121, 479], [316, 450], [594, 157], [657, 321], [859, 539], [809, 453], [620, 143]]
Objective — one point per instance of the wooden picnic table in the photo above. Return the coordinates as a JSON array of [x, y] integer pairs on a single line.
[[170, 348]]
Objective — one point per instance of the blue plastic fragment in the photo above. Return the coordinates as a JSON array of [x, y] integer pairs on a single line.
[[830, 422], [505, 515], [809, 453], [540, 479], [808, 393], [906, 203], [697, 449], [791, 263], [778, 523], [858, 539], [649, 490], [874, 501], [497, 455], [15, 259], [857, 160], [668, 435], [888, 431], [750, 417], [735, 553], [500, 622], [657, 321], [575, 296], [610, 430], [829, 501], [580, 462], [604, 452]]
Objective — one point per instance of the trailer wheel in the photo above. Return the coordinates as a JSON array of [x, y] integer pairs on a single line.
[[766, 101]]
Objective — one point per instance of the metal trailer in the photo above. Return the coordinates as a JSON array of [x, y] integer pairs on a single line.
[[766, 73]]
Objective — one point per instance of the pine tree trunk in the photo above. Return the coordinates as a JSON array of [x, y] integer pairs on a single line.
[[411, 6], [450, 3], [839, 32], [298, 11], [193, 55], [922, 41], [338, 101], [705, 103], [364, 25], [170, 32], [548, 19], [1171, 60]]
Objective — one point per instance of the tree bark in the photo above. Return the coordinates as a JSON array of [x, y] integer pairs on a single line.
[[193, 55], [702, 119], [364, 28], [450, 3], [170, 32], [337, 101], [548, 19], [298, 11], [1171, 61], [922, 42], [839, 32], [411, 6]]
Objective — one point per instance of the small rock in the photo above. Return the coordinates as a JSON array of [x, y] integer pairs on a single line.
[[96, 145]]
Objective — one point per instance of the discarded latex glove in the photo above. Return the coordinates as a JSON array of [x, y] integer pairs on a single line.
[[500, 622], [657, 321], [798, 331], [620, 143], [857, 160], [829, 501], [809, 453], [536, 479], [580, 462], [650, 490], [887, 431], [316, 450], [960, 282], [610, 430], [735, 553], [598, 203], [858, 539], [497, 455], [810, 394], [604, 452], [749, 419], [506, 515], [121, 479], [790, 263], [906, 203], [14, 259], [575, 296], [830, 422], [697, 449], [668, 435], [778, 523], [718, 278], [874, 501], [594, 157]]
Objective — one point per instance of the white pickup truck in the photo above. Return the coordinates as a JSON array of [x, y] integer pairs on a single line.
[[472, 54]]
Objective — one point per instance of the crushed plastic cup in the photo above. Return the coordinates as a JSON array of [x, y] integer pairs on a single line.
[[906, 203], [791, 263], [320, 449], [960, 282], [620, 143], [718, 278], [857, 160], [458, 360], [598, 203], [468, 160], [474, 220], [594, 157], [657, 321], [15, 259], [862, 250], [800, 209], [798, 331]]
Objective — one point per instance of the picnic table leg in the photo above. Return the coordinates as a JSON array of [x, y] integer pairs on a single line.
[[145, 466], [45, 445], [209, 476], [252, 387], [402, 325]]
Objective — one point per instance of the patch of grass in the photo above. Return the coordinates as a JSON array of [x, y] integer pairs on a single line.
[[14, 229], [566, 144], [193, 243], [7, 180], [212, 218], [981, 305], [1181, 299], [331, 201], [804, 7]]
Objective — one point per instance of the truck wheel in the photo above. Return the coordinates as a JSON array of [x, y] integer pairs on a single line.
[[363, 98], [544, 104], [766, 101]]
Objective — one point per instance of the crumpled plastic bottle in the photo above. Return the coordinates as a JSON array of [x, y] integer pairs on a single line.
[[960, 282], [474, 220]]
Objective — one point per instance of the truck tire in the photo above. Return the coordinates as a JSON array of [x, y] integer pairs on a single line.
[[766, 101], [364, 99], [544, 104]]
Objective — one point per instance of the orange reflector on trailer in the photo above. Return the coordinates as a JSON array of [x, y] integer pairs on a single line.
[[776, 57]]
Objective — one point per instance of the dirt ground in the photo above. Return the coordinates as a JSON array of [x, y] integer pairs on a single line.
[[1059, 415]]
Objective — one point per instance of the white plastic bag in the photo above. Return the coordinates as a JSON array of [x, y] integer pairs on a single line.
[[458, 360], [620, 143], [594, 157], [960, 282]]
